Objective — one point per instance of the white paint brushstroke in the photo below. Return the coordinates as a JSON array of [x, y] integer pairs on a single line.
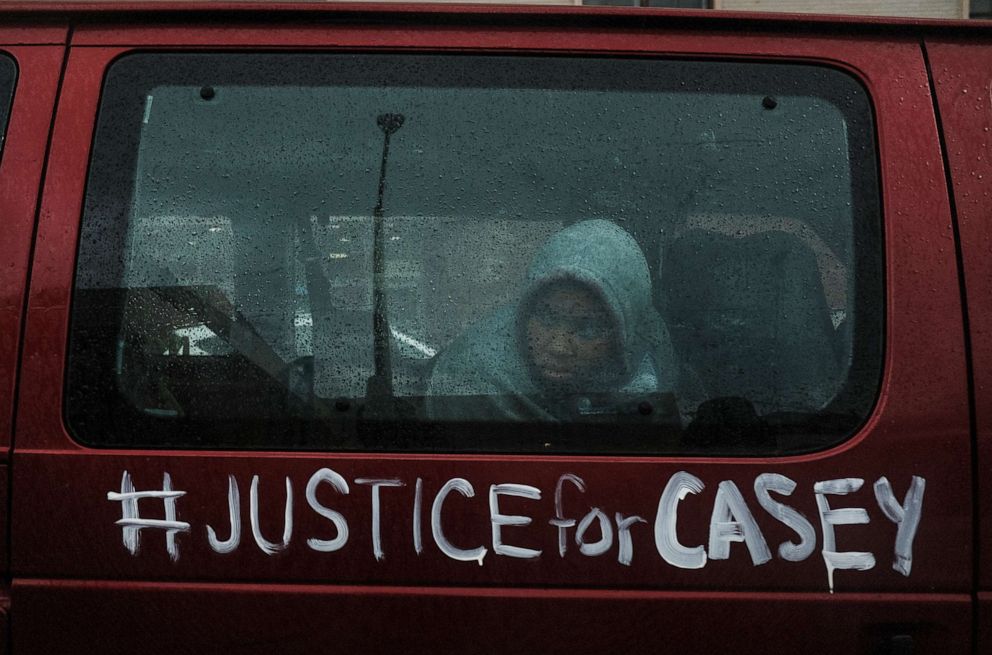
[[340, 523], [132, 523], [848, 560], [464, 487], [625, 554], [418, 503], [171, 518], [606, 534], [560, 522], [766, 483], [160, 524], [234, 511], [498, 519], [732, 521], [269, 547], [665, 537], [129, 511], [906, 516], [377, 484]]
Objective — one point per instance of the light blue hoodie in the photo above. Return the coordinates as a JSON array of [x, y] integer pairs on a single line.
[[489, 361]]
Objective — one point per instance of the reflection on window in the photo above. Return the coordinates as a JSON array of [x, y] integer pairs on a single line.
[[682, 4], [484, 254], [8, 75]]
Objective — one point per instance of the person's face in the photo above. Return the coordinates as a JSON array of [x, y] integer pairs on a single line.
[[570, 336]]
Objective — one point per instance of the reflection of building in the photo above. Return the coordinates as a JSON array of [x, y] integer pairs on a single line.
[[917, 8], [906, 8]]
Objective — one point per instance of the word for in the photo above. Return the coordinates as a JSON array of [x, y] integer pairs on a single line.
[[731, 520]]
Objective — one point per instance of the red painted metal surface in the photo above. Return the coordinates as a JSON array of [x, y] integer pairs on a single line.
[[963, 79], [5, 527], [633, 488], [5, 624], [983, 617], [64, 524], [341, 24], [640, 16], [33, 34], [243, 619], [20, 178]]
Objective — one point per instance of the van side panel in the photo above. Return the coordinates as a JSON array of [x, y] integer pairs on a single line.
[[21, 165], [263, 619], [24, 140], [962, 72], [984, 617], [70, 561], [15, 35], [20, 178]]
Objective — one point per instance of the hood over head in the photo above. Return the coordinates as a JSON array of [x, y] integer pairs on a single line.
[[490, 361], [603, 258]]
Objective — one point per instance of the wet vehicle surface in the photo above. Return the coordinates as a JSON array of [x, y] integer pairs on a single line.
[[493, 330]]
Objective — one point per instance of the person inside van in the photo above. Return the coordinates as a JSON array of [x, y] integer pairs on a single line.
[[583, 338]]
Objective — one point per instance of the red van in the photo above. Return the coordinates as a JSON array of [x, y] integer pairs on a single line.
[[353, 328]]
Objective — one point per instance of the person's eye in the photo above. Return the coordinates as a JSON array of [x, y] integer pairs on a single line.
[[545, 321], [591, 331]]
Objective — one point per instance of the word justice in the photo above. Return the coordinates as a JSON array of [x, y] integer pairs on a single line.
[[593, 532]]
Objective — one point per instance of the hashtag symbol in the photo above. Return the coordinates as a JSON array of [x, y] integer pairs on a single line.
[[132, 523]]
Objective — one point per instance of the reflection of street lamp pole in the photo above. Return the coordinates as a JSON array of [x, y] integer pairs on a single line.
[[380, 384]]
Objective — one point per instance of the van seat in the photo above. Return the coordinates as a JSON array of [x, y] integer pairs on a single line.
[[749, 315]]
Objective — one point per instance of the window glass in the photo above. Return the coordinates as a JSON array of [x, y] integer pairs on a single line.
[[981, 9], [8, 75], [683, 4], [495, 254]]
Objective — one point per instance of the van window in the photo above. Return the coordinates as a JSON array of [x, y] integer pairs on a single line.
[[8, 75], [467, 253]]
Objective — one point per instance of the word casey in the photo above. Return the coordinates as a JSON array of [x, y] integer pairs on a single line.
[[595, 533]]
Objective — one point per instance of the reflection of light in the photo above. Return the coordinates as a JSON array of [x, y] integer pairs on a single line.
[[337, 255], [344, 239], [413, 343], [394, 238], [216, 229]]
